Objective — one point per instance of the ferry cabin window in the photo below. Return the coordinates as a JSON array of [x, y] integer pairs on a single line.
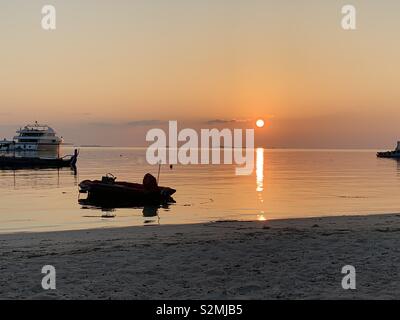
[[32, 134]]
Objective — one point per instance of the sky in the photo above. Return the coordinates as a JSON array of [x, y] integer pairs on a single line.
[[112, 70]]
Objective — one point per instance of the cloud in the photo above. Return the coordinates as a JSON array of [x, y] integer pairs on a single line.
[[225, 121], [134, 123], [102, 124], [145, 123]]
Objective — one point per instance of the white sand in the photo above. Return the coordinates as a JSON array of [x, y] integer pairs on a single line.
[[286, 259]]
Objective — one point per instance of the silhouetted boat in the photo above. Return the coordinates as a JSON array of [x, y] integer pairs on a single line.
[[17, 162], [109, 192], [395, 154]]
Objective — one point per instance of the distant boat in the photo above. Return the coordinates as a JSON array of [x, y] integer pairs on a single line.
[[390, 154], [33, 137]]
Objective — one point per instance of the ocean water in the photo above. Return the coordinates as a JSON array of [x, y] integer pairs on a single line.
[[284, 184]]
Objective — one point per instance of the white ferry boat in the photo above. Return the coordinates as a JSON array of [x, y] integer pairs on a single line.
[[33, 137]]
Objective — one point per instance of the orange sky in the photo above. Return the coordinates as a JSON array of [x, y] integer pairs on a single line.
[[113, 66]]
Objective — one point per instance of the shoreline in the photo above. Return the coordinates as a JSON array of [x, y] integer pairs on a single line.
[[43, 229], [274, 259]]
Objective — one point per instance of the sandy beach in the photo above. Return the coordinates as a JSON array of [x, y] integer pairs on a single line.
[[281, 259]]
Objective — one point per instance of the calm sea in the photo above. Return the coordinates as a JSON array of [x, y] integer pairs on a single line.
[[284, 184]]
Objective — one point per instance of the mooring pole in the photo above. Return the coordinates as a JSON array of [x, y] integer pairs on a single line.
[[159, 169]]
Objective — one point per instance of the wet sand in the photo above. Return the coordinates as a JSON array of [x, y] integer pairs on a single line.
[[281, 259]]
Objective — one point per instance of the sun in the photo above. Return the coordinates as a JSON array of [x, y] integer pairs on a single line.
[[260, 123]]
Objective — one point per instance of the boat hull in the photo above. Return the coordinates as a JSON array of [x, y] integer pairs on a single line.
[[13, 162], [124, 194], [389, 154], [32, 163]]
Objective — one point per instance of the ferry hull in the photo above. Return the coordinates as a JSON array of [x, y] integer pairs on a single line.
[[30, 147]]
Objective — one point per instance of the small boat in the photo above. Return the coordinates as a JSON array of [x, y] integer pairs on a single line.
[[16, 162], [109, 191], [394, 154]]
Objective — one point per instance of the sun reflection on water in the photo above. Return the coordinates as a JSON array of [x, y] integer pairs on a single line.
[[260, 180], [261, 217], [260, 169]]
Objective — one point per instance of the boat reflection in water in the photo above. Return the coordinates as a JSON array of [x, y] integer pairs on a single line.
[[150, 212], [34, 179]]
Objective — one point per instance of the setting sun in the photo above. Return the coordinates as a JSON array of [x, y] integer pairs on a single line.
[[260, 123]]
